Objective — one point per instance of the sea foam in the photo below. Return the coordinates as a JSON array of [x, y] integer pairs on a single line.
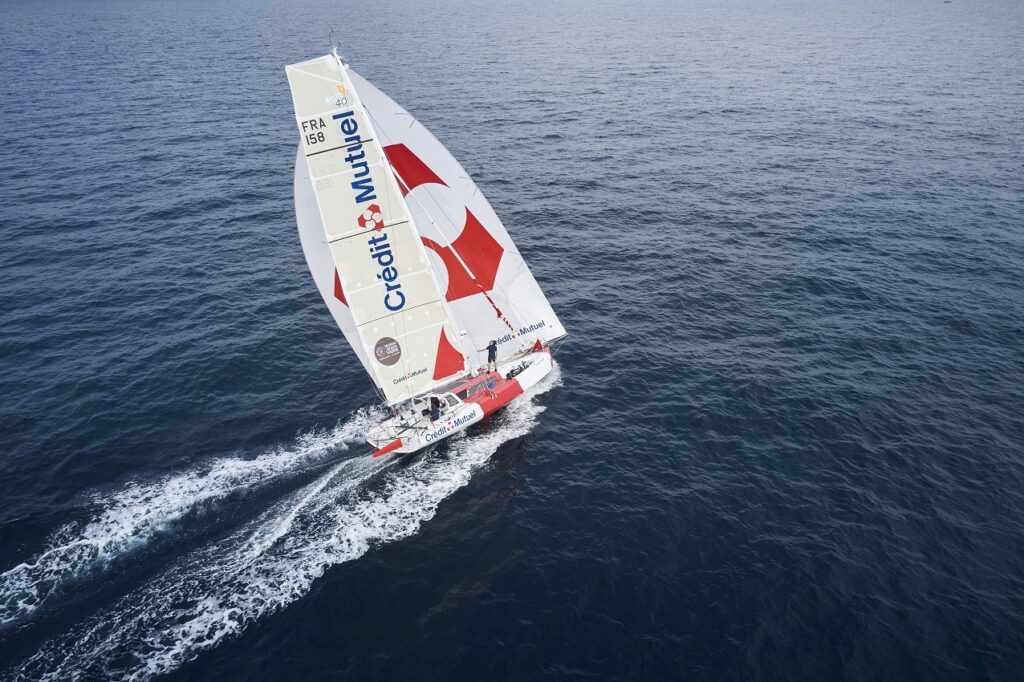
[[216, 591], [132, 517]]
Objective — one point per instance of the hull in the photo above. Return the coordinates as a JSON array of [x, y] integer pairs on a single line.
[[465, 402]]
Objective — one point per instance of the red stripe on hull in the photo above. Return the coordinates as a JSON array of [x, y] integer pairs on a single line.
[[492, 400], [390, 447]]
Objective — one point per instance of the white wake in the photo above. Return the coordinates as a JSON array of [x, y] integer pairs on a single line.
[[137, 514], [215, 592]]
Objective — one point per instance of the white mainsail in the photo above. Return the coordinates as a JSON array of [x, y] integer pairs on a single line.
[[401, 321], [407, 253]]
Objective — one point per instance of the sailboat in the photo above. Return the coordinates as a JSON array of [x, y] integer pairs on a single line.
[[414, 265]]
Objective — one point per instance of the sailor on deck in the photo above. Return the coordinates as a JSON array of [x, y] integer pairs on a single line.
[[492, 356]]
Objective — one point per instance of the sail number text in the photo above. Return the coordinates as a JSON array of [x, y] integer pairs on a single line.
[[311, 132]]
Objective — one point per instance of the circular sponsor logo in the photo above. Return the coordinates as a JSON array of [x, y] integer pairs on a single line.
[[387, 351]]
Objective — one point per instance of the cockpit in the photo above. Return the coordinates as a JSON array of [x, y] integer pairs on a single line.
[[431, 406]]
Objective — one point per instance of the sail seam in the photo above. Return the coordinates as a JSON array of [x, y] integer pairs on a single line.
[[407, 310], [311, 74], [361, 230], [334, 149]]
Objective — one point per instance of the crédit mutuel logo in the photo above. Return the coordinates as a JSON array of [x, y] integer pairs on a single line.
[[370, 217], [362, 182], [380, 251]]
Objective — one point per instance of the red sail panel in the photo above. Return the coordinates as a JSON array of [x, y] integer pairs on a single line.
[[338, 293], [449, 360], [409, 168]]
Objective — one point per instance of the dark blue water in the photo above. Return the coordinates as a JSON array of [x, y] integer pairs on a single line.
[[786, 439]]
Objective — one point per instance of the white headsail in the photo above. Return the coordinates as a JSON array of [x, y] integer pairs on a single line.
[[407, 253], [490, 290]]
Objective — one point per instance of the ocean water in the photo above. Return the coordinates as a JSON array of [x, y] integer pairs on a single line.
[[786, 437]]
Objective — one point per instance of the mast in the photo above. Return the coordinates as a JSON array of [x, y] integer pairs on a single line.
[[392, 175], [383, 276]]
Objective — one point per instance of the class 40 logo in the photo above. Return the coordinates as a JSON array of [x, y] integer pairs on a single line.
[[338, 98]]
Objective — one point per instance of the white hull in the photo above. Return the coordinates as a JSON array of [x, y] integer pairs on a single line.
[[466, 402]]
